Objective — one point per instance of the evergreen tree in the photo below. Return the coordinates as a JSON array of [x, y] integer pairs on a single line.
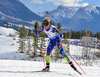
[[89, 33], [29, 46], [59, 27], [29, 32], [35, 45], [99, 36], [7, 26], [43, 42], [22, 31], [66, 49], [35, 41], [70, 34], [84, 32], [78, 35], [22, 45], [36, 23], [57, 53], [22, 35]]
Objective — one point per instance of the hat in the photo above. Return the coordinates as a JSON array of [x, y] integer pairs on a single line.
[[46, 21]]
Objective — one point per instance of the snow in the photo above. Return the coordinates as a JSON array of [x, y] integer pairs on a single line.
[[63, 11], [90, 8], [14, 64], [13, 68], [7, 31], [9, 45]]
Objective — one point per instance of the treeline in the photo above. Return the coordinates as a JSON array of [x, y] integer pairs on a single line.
[[78, 34], [72, 34]]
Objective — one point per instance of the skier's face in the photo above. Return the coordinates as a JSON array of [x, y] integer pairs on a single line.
[[46, 27], [46, 24]]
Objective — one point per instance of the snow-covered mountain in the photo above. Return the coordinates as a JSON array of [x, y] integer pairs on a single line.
[[77, 18], [15, 11]]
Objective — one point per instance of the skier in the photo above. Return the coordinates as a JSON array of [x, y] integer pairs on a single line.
[[55, 37]]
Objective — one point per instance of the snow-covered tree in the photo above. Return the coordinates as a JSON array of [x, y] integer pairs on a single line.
[[29, 46], [22, 45], [22, 32], [42, 43], [35, 42], [66, 44], [22, 35]]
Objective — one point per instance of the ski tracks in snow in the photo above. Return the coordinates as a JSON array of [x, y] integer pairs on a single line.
[[15, 68]]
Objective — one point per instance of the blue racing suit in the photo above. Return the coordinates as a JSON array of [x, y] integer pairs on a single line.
[[55, 37]]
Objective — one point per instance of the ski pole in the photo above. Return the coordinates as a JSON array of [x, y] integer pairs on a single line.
[[48, 14], [43, 57], [77, 64]]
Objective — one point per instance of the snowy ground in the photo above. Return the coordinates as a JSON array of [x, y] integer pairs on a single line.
[[14, 62], [9, 45], [13, 68]]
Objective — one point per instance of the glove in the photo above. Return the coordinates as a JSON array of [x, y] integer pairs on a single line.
[[61, 37], [58, 40]]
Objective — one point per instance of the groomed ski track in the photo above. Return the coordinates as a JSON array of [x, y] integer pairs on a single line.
[[19, 68]]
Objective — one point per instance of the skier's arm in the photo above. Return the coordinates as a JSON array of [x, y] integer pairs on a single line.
[[38, 31], [57, 32]]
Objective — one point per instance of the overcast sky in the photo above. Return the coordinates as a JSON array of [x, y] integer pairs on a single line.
[[48, 5]]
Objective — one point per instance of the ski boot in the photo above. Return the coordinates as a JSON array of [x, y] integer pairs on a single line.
[[71, 64], [46, 69]]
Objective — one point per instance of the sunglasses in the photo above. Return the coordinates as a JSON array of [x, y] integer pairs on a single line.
[[45, 24]]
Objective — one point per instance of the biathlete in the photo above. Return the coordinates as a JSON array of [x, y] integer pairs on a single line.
[[55, 37]]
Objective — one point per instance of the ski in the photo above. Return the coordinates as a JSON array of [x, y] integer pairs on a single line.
[[34, 71], [44, 71], [78, 72]]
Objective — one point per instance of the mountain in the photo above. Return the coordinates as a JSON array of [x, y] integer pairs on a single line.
[[15, 11], [77, 18]]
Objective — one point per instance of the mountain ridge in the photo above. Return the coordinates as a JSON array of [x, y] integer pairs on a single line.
[[77, 18], [18, 10]]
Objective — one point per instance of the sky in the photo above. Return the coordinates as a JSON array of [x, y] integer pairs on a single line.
[[48, 5]]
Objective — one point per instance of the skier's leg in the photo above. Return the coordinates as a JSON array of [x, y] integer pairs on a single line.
[[49, 50], [65, 56], [61, 50]]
